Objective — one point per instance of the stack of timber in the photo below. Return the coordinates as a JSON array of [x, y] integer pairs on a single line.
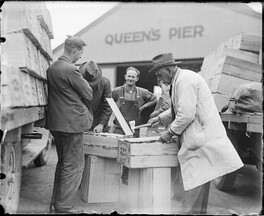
[[149, 177], [236, 61], [26, 55]]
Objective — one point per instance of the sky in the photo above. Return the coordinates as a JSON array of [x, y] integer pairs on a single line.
[[68, 17]]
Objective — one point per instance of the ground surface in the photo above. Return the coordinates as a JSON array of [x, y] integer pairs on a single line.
[[37, 183]]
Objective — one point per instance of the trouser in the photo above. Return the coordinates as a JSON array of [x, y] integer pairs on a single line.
[[69, 169], [194, 201]]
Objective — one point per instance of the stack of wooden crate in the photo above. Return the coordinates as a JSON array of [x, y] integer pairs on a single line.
[[236, 61], [26, 54]]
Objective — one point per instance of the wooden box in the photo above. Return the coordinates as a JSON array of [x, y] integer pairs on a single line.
[[19, 16], [147, 152], [238, 68], [149, 191], [20, 52], [100, 181], [40, 93], [247, 42], [101, 144], [11, 87], [101, 177]]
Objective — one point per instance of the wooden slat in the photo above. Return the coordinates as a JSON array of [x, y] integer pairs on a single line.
[[154, 149], [149, 190], [153, 161], [100, 181], [100, 151], [246, 118], [14, 118], [34, 148], [240, 54], [225, 84], [119, 117]]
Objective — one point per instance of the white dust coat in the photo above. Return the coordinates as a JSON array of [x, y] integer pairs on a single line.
[[206, 152]]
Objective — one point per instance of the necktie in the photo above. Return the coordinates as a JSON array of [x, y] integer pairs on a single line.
[[172, 108]]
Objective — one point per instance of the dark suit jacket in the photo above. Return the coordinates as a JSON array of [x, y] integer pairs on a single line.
[[101, 109], [69, 98]]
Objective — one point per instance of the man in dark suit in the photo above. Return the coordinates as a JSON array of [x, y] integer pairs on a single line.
[[101, 86], [68, 115]]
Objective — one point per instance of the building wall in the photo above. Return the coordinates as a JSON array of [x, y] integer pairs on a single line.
[[139, 31]]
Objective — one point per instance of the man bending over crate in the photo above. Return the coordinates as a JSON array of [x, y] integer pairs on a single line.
[[206, 152]]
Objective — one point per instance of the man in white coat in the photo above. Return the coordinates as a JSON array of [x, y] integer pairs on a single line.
[[206, 152]]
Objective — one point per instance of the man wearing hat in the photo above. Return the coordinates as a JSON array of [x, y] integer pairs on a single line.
[[68, 116], [206, 152], [101, 90]]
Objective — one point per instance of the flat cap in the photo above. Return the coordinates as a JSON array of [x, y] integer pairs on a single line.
[[75, 40]]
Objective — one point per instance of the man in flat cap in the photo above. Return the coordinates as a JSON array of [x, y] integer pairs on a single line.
[[101, 86], [69, 114], [206, 152]]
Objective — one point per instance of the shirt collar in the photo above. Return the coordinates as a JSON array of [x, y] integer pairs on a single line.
[[64, 58]]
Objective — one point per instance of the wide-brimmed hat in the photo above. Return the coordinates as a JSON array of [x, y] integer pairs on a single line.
[[162, 60], [91, 72]]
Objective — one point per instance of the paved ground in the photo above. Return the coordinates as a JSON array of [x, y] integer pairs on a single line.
[[37, 185]]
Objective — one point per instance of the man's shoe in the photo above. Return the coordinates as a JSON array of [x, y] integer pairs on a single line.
[[69, 211]]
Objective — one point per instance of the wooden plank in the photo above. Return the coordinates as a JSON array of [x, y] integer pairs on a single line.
[[161, 190], [149, 190], [99, 151], [156, 148], [20, 52], [242, 118], [34, 148], [153, 161], [239, 68], [240, 54], [11, 95], [247, 42], [100, 181], [225, 84], [133, 195], [119, 117], [256, 128], [14, 118]]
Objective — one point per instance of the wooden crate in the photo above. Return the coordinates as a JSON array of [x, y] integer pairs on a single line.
[[225, 84], [20, 52], [26, 89], [238, 68], [247, 42], [100, 181], [149, 191], [101, 177], [101, 144], [17, 17], [11, 95], [147, 152]]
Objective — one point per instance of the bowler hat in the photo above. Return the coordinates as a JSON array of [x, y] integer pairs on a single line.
[[91, 72], [162, 60]]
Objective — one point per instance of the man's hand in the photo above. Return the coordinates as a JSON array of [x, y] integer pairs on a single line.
[[98, 128], [154, 114], [154, 122], [165, 136]]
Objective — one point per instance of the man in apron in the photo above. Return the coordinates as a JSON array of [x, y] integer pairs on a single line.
[[131, 101]]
